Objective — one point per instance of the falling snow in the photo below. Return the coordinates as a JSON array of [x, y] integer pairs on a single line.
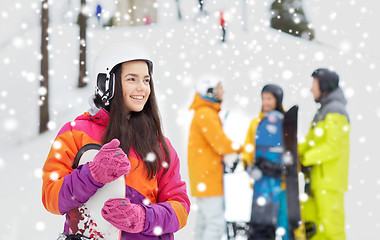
[[182, 51], [201, 187], [40, 226], [157, 231], [150, 157], [2, 163]]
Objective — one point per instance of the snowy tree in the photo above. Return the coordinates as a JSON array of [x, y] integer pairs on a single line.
[[44, 81], [82, 21], [289, 17]]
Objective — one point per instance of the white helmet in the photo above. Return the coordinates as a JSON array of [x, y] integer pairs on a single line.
[[107, 58], [206, 86]]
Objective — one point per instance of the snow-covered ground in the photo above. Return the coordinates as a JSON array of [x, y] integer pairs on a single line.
[[182, 52]]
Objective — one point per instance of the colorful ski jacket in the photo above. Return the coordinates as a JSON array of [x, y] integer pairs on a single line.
[[65, 189], [250, 141], [326, 147], [207, 145]]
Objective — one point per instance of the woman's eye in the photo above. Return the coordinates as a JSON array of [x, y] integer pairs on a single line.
[[130, 79], [147, 80]]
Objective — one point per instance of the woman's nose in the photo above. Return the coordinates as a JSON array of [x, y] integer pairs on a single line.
[[140, 85]]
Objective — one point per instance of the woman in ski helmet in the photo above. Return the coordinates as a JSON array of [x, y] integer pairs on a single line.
[[271, 96], [124, 118]]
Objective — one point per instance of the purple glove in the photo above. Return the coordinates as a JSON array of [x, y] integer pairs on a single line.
[[110, 163], [124, 215]]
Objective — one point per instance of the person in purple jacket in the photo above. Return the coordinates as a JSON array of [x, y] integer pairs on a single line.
[[124, 119]]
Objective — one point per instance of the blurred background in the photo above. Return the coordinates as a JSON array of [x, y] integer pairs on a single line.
[[46, 54]]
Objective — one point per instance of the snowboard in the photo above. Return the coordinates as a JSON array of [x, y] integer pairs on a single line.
[[269, 199], [292, 166], [87, 219]]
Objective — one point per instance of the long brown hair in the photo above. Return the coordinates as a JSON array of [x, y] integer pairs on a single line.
[[140, 130]]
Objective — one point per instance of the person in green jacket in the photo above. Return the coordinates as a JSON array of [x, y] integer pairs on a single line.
[[325, 153]]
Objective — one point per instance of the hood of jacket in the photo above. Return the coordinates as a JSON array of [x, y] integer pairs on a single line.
[[335, 95], [101, 117], [334, 102], [199, 102]]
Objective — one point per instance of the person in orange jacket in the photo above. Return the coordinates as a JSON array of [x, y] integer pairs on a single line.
[[206, 148], [124, 118]]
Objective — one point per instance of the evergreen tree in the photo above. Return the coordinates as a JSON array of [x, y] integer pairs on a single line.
[[289, 17]]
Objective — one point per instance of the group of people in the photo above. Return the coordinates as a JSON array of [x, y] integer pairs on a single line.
[[324, 155], [124, 122]]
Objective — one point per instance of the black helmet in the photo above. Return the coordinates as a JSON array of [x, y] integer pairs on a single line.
[[277, 92], [328, 79]]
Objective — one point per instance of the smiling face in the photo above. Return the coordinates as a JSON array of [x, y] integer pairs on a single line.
[[268, 102], [135, 81]]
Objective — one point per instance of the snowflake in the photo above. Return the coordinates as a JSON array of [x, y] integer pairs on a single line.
[[58, 156], [54, 176], [346, 128], [378, 112], [150, 157], [4, 14], [18, 42], [319, 56], [2, 163], [201, 187], [333, 16], [146, 202], [287, 74], [57, 144], [305, 92], [303, 197], [26, 157], [38, 173], [6, 61], [288, 158], [249, 148], [280, 231], [345, 46], [235, 145], [261, 201], [165, 165], [157, 230], [40, 226], [10, 124], [318, 132], [51, 125], [42, 91], [349, 92]]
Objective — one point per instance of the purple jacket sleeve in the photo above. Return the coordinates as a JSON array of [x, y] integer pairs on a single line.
[[77, 188]]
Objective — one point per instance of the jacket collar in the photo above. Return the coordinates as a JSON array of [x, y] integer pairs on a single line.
[[201, 102], [101, 117]]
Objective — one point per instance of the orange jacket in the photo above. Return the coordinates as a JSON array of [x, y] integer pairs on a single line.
[[65, 189], [207, 145]]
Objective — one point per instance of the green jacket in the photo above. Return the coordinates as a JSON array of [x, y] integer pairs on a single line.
[[326, 147]]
